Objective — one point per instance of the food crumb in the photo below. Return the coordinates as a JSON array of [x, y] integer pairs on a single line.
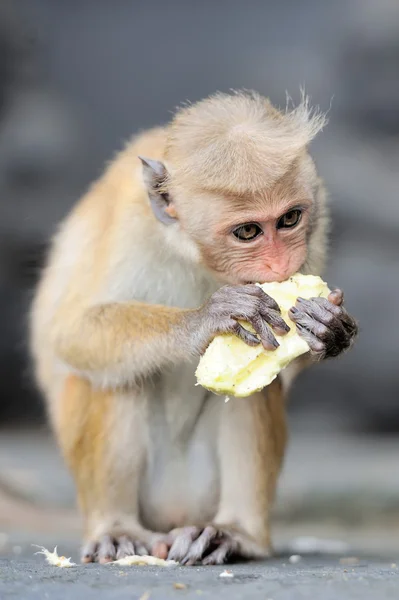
[[295, 558], [141, 561], [227, 573], [180, 586], [53, 559], [394, 566]]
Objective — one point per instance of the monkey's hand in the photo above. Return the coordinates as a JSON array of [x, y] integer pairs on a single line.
[[246, 303], [325, 324]]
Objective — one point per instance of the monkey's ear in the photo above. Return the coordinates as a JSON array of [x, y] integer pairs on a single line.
[[154, 175]]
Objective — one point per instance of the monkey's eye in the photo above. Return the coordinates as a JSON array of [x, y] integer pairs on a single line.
[[290, 219], [247, 232]]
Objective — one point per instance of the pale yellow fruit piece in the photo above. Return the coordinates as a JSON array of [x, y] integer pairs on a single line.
[[229, 366], [141, 561]]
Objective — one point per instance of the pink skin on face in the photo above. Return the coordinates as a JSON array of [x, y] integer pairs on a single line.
[[275, 259], [273, 256]]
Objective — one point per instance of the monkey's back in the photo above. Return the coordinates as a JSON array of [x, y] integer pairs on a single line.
[[80, 253]]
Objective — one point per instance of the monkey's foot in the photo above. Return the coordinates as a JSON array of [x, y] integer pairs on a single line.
[[208, 546], [109, 548]]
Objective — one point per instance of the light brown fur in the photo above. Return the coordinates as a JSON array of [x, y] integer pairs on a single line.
[[114, 334]]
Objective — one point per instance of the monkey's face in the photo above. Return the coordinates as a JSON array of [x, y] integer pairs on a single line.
[[258, 245], [258, 238]]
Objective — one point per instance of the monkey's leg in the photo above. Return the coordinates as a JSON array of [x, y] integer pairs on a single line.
[[101, 436], [252, 440]]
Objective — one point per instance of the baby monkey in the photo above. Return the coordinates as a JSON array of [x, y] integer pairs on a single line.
[[159, 256]]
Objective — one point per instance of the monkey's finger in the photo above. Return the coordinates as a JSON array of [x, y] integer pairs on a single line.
[[245, 296], [320, 309], [106, 550], [275, 321], [336, 297], [246, 336], [315, 327], [323, 344], [199, 547], [142, 550], [266, 336], [221, 554], [316, 346], [182, 542], [323, 325], [349, 323], [328, 313], [125, 547], [255, 290], [266, 300], [89, 552]]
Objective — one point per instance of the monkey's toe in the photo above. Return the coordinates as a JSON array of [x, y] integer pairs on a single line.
[[102, 550], [208, 546], [221, 554], [200, 546], [126, 547], [89, 552], [108, 549], [182, 540]]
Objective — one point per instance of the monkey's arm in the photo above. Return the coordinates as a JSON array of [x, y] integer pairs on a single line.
[[116, 343]]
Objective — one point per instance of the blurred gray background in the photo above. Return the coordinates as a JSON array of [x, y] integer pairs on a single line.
[[77, 78]]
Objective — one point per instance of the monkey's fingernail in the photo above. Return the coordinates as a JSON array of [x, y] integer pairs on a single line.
[[294, 310], [300, 300], [275, 343]]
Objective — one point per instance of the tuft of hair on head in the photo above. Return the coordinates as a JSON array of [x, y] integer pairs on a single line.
[[238, 142]]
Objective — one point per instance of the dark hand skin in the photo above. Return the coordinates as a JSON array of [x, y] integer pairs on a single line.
[[248, 303], [325, 324]]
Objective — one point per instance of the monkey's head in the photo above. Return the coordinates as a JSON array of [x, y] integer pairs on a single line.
[[238, 191]]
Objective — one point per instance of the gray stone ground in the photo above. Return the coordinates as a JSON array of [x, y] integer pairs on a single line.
[[342, 491], [314, 578]]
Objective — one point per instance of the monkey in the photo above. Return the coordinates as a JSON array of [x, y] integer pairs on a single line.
[[160, 254]]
